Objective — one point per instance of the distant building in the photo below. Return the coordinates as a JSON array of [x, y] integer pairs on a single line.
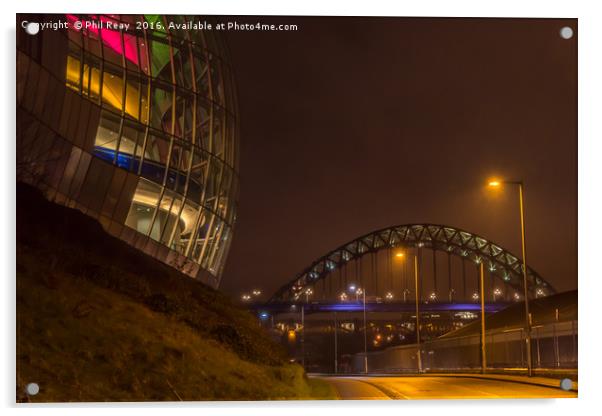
[[135, 126]]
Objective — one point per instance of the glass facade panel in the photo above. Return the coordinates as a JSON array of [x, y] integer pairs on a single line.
[[171, 226], [155, 157], [203, 228], [107, 135], [197, 176], [160, 112], [178, 167], [144, 206], [162, 107], [189, 218], [113, 193], [216, 79], [130, 145]]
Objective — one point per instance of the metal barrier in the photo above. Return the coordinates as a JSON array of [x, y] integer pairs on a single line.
[[554, 346]]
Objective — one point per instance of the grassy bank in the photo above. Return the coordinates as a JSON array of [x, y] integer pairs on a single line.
[[100, 321]]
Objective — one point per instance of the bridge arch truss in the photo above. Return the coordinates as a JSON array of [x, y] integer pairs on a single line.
[[498, 262]]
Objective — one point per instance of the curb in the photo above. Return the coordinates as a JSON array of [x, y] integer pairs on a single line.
[[467, 375], [493, 377]]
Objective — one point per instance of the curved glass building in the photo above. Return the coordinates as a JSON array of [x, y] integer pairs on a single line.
[[133, 121]]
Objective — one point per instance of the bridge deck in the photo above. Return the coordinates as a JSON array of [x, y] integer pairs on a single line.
[[319, 307]]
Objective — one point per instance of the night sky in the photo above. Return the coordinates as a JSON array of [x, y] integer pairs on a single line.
[[349, 125]]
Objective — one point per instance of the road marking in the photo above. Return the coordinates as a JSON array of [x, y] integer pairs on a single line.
[[393, 394], [348, 388]]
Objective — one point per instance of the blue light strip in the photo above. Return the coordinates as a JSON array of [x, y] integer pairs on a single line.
[[382, 307]]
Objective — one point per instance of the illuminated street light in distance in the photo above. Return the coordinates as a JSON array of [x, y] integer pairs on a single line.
[[399, 254], [343, 296], [494, 183], [516, 296], [433, 296], [475, 296], [359, 291], [246, 297], [497, 291], [352, 288], [309, 291], [256, 292], [389, 295]]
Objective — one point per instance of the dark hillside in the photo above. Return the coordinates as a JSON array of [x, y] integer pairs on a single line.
[[98, 320]]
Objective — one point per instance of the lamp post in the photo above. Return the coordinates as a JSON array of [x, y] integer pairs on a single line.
[[521, 192], [308, 293], [400, 255], [419, 355], [483, 342], [365, 335], [336, 352], [303, 335], [362, 292]]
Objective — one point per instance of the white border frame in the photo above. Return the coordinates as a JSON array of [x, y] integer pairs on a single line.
[[590, 178]]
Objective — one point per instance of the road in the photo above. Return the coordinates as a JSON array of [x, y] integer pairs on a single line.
[[443, 387]]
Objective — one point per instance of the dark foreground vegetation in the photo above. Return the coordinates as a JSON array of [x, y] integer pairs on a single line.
[[100, 321]]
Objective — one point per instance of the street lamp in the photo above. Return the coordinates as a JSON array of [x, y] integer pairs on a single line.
[[521, 191], [389, 296], [256, 292], [361, 292], [400, 255], [496, 292], [245, 297], [417, 299], [483, 342], [308, 292], [358, 293]]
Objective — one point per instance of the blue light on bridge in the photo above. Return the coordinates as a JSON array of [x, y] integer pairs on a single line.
[[344, 307], [396, 307]]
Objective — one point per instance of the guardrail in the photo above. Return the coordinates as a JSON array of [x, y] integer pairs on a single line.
[[554, 346]]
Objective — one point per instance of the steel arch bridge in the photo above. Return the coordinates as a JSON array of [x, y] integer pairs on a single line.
[[498, 262]]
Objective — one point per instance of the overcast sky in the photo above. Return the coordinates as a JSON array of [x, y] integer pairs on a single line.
[[349, 125]]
